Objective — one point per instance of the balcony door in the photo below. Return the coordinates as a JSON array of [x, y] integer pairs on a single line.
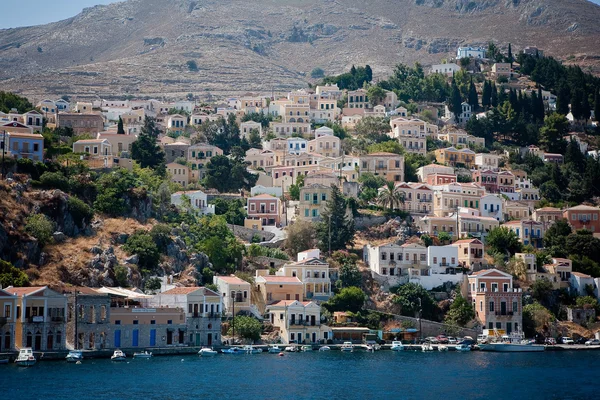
[[503, 308]]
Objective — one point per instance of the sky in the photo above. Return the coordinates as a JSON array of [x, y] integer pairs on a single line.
[[35, 12]]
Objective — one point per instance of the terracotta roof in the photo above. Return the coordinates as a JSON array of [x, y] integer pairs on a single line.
[[280, 279], [548, 209], [583, 207], [182, 290], [579, 274], [288, 302], [263, 196], [23, 291], [382, 154], [467, 241], [233, 280]]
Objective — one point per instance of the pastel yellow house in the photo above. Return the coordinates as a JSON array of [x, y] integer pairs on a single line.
[[275, 288], [181, 174], [298, 322]]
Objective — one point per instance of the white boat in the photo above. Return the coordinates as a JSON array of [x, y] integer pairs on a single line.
[[442, 347], [347, 346], [274, 349], [324, 348], [397, 345], [511, 347], [207, 352], [291, 349], [307, 347], [249, 349], [369, 348], [463, 347], [426, 347], [118, 355], [233, 350], [25, 358], [143, 354], [74, 356]]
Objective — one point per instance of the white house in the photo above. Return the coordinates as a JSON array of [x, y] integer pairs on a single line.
[[446, 69], [463, 117], [198, 201], [323, 131], [247, 126], [579, 282], [297, 145], [474, 52], [487, 161], [443, 267], [490, 205]]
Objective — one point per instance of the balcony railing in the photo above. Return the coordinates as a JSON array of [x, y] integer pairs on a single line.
[[425, 200], [504, 314], [304, 323]]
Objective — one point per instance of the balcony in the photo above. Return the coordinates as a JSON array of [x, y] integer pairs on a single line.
[[425, 200], [303, 323], [504, 314]]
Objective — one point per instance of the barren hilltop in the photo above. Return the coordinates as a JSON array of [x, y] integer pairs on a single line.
[[142, 47]]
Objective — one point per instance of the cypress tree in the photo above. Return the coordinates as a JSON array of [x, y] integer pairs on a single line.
[[563, 98], [456, 102], [486, 94], [510, 58], [585, 106], [473, 99], [494, 95], [120, 129], [336, 227], [577, 104], [541, 108]]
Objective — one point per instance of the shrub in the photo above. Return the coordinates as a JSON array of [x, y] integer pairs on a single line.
[[40, 227], [121, 275], [142, 244], [246, 327], [82, 213], [54, 180], [12, 276], [152, 285], [161, 234], [192, 66], [317, 73]]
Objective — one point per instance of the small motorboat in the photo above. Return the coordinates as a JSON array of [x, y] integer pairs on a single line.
[[324, 348], [369, 348], [463, 347], [249, 349], [397, 346], [207, 352], [291, 349], [426, 347], [143, 354], [118, 355], [74, 356], [25, 358], [274, 349], [348, 347], [307, 347], [233, 350]]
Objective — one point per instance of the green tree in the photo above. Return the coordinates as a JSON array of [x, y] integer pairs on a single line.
[[455, 104], [555, 127], [294, 189], [368, 73], [486, 94], [121, 276], [597, 105], [336, 229], [254, 139], [55, 180], [427, 240], [348, 299], [444, 237], [556, 235], [349, 275], [152, 285], [192, 65], [114, 192], [473, 99], [228, 175], [390, 196], [142, 244], [9, 100], [146, 151], [541, 289], [413, 298], [536, 319], [301, 236], [509, 57], [504, 241], [317, 73], [40, 227], [389, 146], [461, 311], [120, 129], [161, 236], [246, 327], [11, 275], [494, 95], [376, 94]]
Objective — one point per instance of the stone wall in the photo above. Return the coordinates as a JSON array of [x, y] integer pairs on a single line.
[[431, 328], [247, 234], [367, 221]]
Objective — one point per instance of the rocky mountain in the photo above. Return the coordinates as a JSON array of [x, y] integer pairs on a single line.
[[142, 47]]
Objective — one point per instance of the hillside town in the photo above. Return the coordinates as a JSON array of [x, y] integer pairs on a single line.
[[454, 200]]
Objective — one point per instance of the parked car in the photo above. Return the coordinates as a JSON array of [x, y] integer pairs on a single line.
[[452, 340], [581, 340], [567, 340], [593, 342], [443, 339], [550, 341], [431, 340]]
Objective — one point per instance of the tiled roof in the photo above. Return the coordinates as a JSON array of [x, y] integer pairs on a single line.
[[23, 291], [233, 280], [182, 290], [579, 274], [467, 241], [281, 279], [288, 302]]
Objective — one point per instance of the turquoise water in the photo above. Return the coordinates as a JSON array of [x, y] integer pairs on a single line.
[[317, 375]]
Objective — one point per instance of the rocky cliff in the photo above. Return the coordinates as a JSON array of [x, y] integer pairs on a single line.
[[141, 47]]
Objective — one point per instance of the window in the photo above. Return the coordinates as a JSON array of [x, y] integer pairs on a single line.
[[435, 260], [170, 322], [306, 197], [481, 306], [383, 256], [384, 271], [136, 322], [118, 322], [153, 322], [482, 287], [494, 287], [505, 287], [7, 311], [491, 306], [515, 307]]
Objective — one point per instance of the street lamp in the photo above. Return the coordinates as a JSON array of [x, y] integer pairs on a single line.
[[420, 311], [233, 297], [76, 314]]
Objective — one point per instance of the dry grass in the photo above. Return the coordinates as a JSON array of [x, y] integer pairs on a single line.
[[72, 257]]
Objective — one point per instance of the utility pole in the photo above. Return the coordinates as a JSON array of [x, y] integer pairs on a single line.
[[233, 316], [76, 313], [329, 235]]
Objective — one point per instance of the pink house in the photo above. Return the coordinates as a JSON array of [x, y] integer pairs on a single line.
[[265, 208]]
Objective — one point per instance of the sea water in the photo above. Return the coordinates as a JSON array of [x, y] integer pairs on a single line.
[[315, 375]]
